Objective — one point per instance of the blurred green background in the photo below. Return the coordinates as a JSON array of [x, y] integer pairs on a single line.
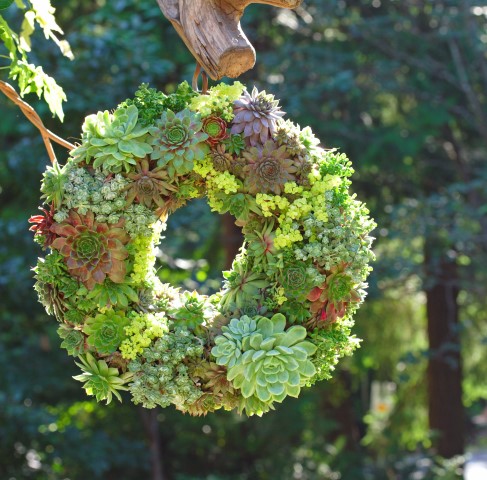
[[398, 85]]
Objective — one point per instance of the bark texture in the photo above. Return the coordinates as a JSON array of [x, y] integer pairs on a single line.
[[446, 413], [211, 31]]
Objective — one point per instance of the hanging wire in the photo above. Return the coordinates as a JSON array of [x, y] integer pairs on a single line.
[[197, 72], [34, 118]]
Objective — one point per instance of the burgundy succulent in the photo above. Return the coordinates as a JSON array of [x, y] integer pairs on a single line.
[[216, 129], [42, 225], [222, 160], [92, 250], [148, 186], [268, 168], [331, 299]]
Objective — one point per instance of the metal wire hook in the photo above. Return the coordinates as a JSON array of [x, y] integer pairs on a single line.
[[204, 76]]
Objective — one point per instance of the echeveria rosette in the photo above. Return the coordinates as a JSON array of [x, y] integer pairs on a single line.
[[268, 168], [256, 116], [106, 331], [92, 250], [274, 362], [228, 345], [100, 380], [178, 141], [113, 141]]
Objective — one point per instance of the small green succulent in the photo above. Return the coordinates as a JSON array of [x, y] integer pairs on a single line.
[[110, 294], [100, 380], [274, 363], [178, 141], [261, 243], [114, 141], [234, 144], [73, 340], [241, 285], [228, 345], [190, 311], [106, 331], [52, 186]]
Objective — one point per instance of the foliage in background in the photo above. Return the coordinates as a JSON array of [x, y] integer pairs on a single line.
[[409, 119]]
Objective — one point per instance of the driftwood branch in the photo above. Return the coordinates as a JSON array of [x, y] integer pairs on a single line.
[[211, 31], [34, 118]]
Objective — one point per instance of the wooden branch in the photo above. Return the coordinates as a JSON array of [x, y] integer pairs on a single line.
[[34, 118], [211, 31]]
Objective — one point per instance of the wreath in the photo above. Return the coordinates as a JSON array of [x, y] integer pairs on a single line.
[[283, 316]]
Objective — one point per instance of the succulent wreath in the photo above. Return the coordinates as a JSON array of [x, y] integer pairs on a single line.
[[283, 316]]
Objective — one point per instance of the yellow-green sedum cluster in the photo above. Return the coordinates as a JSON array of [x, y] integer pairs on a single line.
[[283, 316]]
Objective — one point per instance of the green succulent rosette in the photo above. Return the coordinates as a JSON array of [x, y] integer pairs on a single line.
[[283, 316], [106, 331]]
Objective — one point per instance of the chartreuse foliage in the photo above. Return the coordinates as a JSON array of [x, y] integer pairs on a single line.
[[16, 48], [282, 318]]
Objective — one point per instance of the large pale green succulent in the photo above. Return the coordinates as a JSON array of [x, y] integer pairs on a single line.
[[274, 362], [178, 141], [113, 141], [100, 380], [106, 331]]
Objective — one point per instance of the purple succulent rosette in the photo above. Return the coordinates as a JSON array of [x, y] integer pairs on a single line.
[[283, 316]]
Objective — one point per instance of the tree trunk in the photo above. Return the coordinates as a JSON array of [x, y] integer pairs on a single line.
[[232, 239], [151, 426], [446, 414]]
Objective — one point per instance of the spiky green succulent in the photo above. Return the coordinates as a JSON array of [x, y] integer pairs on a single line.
[[52, 185], [241, 285], [295, 279], [73, 340], [190, 311], [274, 362], [113, 141], [109, 294], [177, 140], [101, 380], [92, 250], [268, 168], [234, 144], [106, 331], [261, 243], [256, 116]]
